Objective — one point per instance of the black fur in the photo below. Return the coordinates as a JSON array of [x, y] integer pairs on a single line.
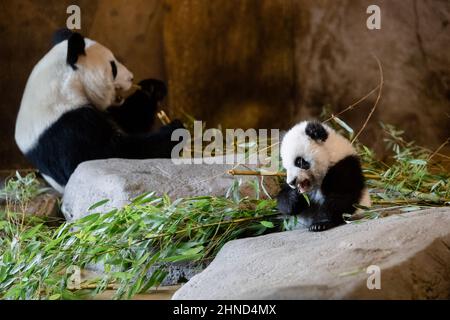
[[290, 201], [341, 187], [75, 48], [316, 131], [302, 163], [113, 69], [61, 35], [87, 134], [137, 113]]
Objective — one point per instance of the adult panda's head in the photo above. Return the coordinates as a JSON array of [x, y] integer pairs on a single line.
[[308, 150], [76, 72], [99, 73]]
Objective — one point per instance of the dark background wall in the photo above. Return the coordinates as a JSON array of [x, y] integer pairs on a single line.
[[253, 63]]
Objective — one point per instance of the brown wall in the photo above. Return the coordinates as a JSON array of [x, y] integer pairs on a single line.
[[253, 63], [269, 63], [131, 29]]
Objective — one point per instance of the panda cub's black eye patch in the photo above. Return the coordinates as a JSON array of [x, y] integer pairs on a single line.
[[302, 163], [114, 69]]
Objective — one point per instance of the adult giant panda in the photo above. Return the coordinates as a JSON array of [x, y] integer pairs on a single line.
[[325, 166], [71, 111]]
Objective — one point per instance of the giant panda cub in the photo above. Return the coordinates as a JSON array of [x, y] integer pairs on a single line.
[[325, 166], [71, 111]]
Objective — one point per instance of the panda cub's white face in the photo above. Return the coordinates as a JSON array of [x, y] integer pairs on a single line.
[[102, 76], [307, 160]]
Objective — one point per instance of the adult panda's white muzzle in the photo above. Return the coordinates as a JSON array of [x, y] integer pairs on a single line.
[[123, 84]]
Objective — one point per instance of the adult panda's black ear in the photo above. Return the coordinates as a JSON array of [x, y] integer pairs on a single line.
[[75, 48], [316, 131], [61, 35]]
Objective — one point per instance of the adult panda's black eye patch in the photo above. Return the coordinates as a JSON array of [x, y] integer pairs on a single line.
[[302, 163], [114, 69]]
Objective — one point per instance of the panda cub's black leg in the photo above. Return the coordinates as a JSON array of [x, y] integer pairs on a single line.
[[325, 217], [323, 225], [329, 214]]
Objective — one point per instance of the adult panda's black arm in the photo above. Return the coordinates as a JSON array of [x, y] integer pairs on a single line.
[[289, 201], [147, 146], [87, 134], [342, 188], [137, 113]]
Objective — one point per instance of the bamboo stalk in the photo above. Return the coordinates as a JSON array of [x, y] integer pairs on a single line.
[[114, 286], [162, 116], [235, 172], [376, 101], [350, 107], [414, 194], [91, 286]]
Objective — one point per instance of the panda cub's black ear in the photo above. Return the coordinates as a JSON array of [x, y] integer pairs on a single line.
[[75, 48], [316, 131]]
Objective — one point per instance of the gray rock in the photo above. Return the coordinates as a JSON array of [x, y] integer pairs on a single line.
[[120, 180], [412, 251], [179, 272]]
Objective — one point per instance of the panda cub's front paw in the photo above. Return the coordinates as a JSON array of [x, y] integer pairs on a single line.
[[321, 226]]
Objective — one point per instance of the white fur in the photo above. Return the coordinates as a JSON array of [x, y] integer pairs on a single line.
[[55, 185], [54, 88], [320, 155]]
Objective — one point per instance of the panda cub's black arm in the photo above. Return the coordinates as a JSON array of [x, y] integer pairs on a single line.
[[137, 113], [342, 188], [290, 201]]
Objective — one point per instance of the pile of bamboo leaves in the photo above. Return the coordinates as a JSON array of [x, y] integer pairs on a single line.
[[152, 231]]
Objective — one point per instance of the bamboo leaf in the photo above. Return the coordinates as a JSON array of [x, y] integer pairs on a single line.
[[267, 224], [98, 204]]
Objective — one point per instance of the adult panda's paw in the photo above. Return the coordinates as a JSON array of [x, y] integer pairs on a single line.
[[153, 88], [321, 226], [174, 125]]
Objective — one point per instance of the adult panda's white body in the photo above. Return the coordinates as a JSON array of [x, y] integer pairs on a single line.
[[325, 166], [70, 113], [52, 89]]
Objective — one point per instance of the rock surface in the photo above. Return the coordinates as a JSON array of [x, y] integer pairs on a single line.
[[120, 180], [412, 251]]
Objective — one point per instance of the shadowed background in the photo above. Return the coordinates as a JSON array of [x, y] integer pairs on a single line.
[[253, 63]]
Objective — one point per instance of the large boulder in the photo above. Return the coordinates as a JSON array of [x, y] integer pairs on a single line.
[[120, 180], [412, 251]]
